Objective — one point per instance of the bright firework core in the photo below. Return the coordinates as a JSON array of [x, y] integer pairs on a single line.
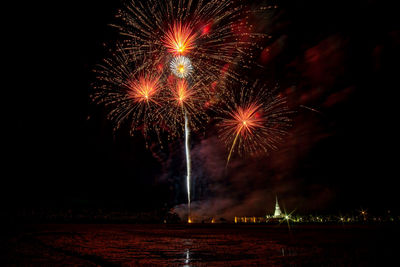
[[144, 89], [181, 66], [179, 39], [181, 92], [245, 120]]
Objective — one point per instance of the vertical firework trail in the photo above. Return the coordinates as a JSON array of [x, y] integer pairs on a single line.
[[188, 168]]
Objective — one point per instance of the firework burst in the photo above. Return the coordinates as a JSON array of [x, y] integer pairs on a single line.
[[143, 89], [180, 39], [253, 120], [174, 56], [215, 34], [182, 94], [184, 98], [130, 93], [181, 66]]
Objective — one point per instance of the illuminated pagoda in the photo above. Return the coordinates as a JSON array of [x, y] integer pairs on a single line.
[[278, 215], [278, 212]]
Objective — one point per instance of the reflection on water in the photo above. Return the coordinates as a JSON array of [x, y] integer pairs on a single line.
[[187, 258], [289, 251], [135, 245], [146, 245]]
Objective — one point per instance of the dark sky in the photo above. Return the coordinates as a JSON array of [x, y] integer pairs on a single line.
[[338, 57]]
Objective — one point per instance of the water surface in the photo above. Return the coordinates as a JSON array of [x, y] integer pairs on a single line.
[[198, 245]]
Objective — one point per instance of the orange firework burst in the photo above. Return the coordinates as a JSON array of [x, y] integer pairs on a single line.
[[181, 93], [144, 89], [183, 98], [253, 121], [180, 39], [131, 93], [245, 120]]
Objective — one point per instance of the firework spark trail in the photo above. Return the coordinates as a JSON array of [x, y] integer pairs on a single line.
[[233, 145], [188, 167], [311, 109]]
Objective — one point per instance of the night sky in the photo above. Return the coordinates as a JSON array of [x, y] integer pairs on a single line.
[[337, 57]]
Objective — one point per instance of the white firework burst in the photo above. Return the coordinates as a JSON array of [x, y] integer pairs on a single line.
[[181, 66]]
